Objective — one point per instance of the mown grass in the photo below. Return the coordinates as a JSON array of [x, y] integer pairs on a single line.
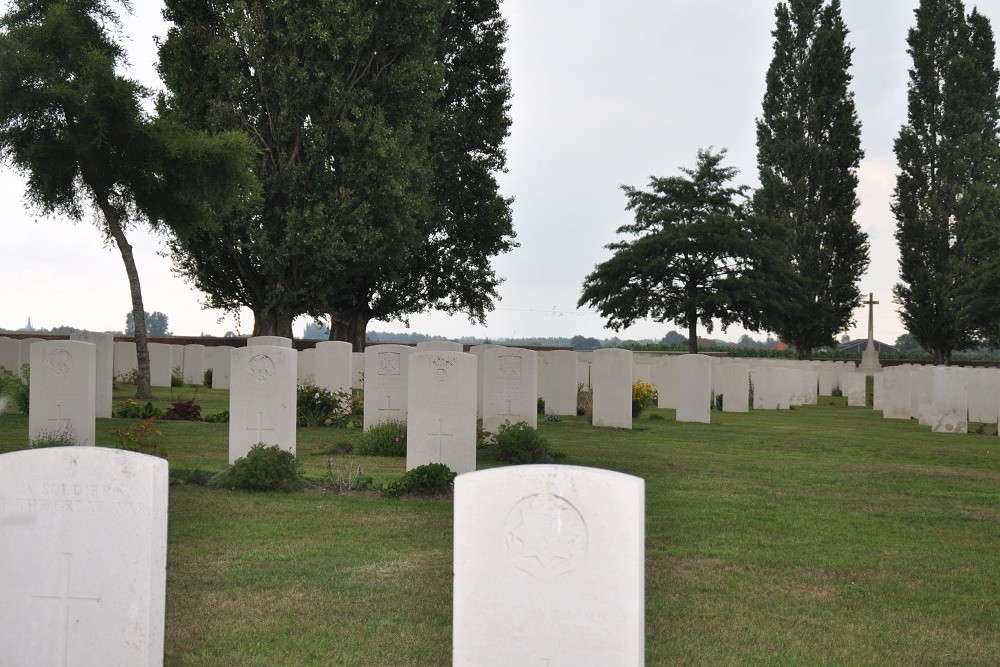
[[820, 535]]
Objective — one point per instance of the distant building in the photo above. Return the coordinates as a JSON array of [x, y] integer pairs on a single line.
[[27, 327]]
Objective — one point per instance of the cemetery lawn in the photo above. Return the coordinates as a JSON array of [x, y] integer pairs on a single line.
[[820, 535]]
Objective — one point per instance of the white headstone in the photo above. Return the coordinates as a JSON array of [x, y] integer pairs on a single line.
[[896, 392], [984, 395], [357, 370], [439, 346], [949, 409], [63, 392], [159, 364], [854, 386], [274, 341], [306, 366], [771, 387], [611, 374], [828, 378], [733, 382], [386, 371], [10, 354], [221, 356], [666, 380], [194, 363], [549, 567], [261, 399], [510, 387], [332, 366], [694, 401], [561, 382], [105, 347], [25, 345], [878, 390], [125, 360], [83, 542], [441, 410], [583, 375], [177, 360]]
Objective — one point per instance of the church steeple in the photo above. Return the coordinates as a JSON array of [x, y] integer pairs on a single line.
[[28, 327]]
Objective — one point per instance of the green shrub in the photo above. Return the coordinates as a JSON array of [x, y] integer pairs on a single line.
[[351, 480], [143, 438], [317, 406], [132, 409], [63, 438], [541, 405], [264, 468], [217, 417], [176, 377], [207, 378], [197, 476], [387, 438], [16, 389], [428, 478], [520, 443]]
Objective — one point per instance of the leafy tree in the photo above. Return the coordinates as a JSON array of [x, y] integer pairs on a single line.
[[808, 152], [378, 143], [157, 324], [946, 197], [674, 338], [908, 343], [76, 129], [696, 255], [584, 343], [316, 330]]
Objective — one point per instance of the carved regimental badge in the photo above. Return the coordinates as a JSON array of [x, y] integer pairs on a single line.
[[260, 368], [388, 363], [546, 536], [59, 361]]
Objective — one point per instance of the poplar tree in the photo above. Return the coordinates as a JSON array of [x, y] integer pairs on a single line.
[[945, 201], [808, 153]]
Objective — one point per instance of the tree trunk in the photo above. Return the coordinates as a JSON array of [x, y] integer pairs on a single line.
[[272, 323], [692, 333], [352, 329], [143, 389], [803, 354]]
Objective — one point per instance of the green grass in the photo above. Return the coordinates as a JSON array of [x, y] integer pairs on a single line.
[[820, 535]]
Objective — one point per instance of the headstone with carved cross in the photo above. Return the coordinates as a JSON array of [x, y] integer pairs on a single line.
[[83, 543], [261, 398], [510, 387], [441, 410], [385, 371], [63, 391], [549, 568]]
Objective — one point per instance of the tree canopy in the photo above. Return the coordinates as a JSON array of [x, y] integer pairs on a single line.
[[378, 140], [76, 129], [946, 197], [808, 153], [696, 255]]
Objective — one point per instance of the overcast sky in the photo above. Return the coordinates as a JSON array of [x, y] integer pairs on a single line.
[[603, 95]]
